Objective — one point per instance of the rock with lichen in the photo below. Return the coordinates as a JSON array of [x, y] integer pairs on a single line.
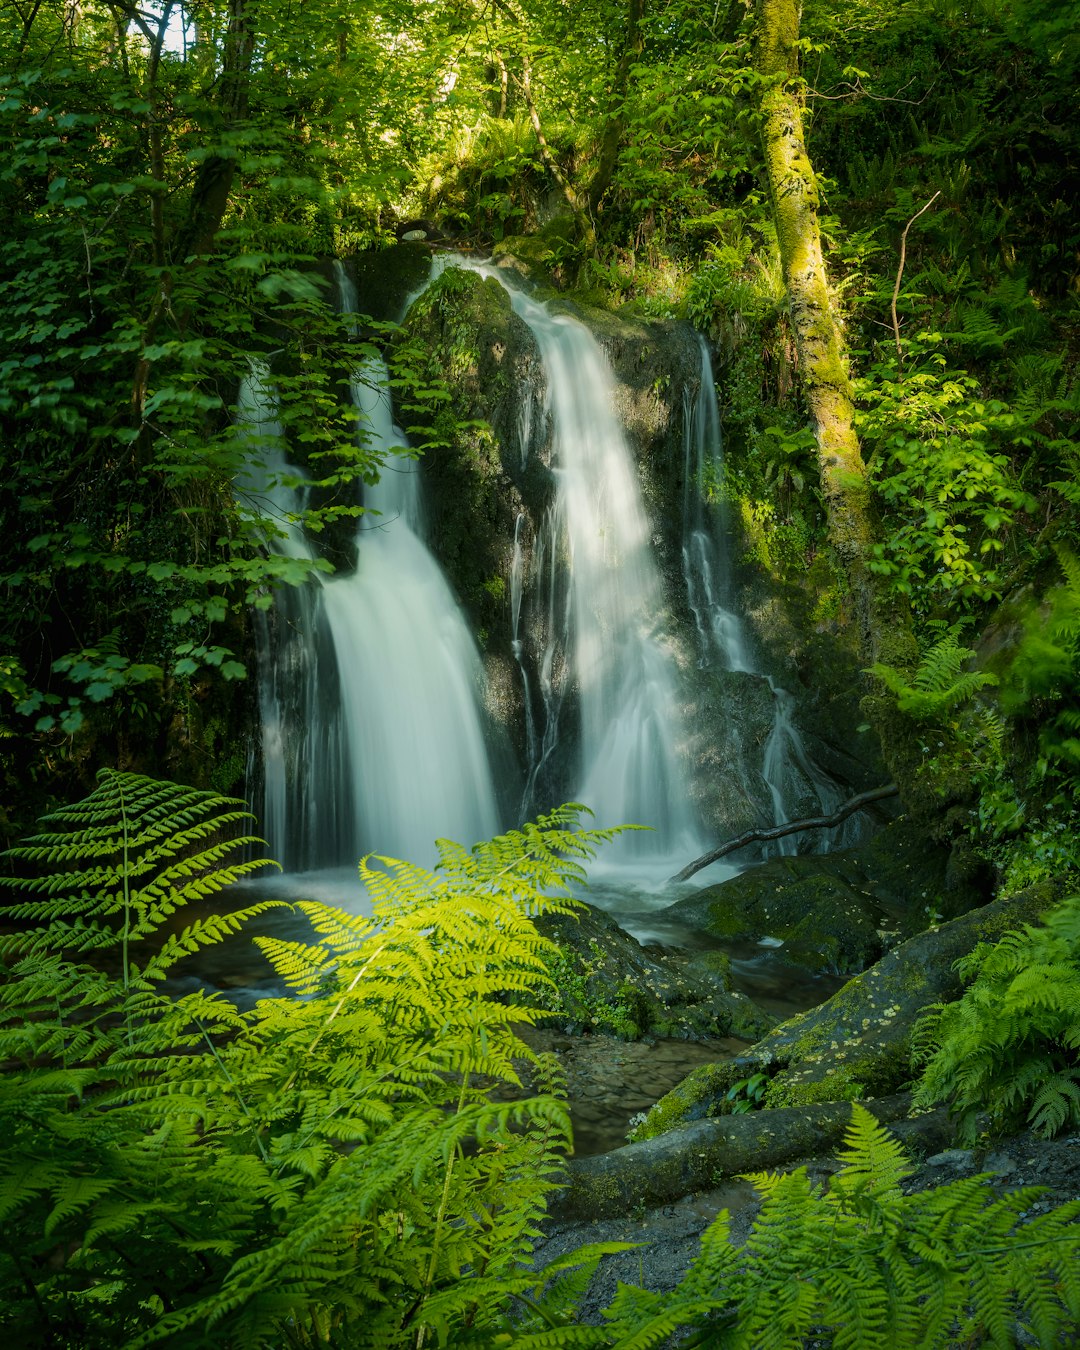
[[857, 1044]]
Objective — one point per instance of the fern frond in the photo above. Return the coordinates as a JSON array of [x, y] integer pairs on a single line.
[[872, 1159]]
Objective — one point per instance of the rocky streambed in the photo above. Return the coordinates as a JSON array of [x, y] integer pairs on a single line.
[[687, 1158]]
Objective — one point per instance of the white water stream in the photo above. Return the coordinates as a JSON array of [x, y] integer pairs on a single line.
[[373, 730], [379, 746], [630, 728], [786, 768]]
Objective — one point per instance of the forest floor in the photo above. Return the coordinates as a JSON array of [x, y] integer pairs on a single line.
[[669, 1235]]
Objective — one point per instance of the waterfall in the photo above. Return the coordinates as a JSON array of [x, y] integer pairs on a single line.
[[787, 770], [624, 673], [374, 736], [372, 727], [706, 568], [410, 671], [299, 704]]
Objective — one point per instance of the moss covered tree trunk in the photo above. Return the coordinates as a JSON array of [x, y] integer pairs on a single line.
[[885, 628]]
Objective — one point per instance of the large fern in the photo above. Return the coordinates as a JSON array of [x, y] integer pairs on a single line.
[[940, 682], [326, 1167], [858, 1266], [1011, 1045]]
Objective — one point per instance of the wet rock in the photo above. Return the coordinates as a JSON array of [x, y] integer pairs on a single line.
[[836, 911], [962, 1158], [810, 905], [858, 1042], [606, 980], [386, 277]]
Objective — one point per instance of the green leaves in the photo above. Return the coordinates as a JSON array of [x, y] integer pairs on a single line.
[[329, 1159], [331, 1165], [940, 462], [940, 683], [1009, 1046]]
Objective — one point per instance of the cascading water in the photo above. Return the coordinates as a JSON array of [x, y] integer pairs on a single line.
[[786, 768], [373, 731], [410, 673], [624, 672], [299, 703], [373, 740], [705, 549]]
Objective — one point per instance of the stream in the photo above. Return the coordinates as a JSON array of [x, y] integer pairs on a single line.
[[609, 1081]]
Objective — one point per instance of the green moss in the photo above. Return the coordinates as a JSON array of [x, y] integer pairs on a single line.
[[863, 1075], [580, 996], [696, 1096]]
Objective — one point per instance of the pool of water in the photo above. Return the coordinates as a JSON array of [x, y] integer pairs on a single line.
[[609, 1082]]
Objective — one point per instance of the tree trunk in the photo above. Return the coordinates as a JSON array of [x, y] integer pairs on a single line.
[[214, 179], [586, 233], [885, 625], [616, 118]]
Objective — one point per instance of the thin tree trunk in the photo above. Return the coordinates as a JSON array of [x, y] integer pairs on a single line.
[[585, 230], [214, 180], [616, 117], [885, 627]]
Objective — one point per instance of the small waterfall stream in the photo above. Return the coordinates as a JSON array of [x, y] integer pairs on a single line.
[[378, 742], [786, 767], [410, 672], [629, 762]]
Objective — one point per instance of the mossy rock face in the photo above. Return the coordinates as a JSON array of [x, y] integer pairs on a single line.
[[811, 906], [607, 981], [835, 912], [528, 255], [857, 1043]]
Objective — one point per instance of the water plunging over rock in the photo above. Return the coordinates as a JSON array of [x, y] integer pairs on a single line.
[[623, 666], [373, 735], [794, 785], [410, 674]]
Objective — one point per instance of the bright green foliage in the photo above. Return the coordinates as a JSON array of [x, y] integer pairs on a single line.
[[1031, 826], [1011, 1045], [1046, 667], [329, 1169], [864, 1262], [574, 997], [116, 866], [940, 683], [325, 1167], [940, 454]]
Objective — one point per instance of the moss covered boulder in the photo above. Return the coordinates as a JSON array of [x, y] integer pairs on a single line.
[[836, 912], [858, 1043], [809, 907], [605, 980]]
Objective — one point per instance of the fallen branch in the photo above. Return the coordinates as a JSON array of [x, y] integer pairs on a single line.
[[790, 827]]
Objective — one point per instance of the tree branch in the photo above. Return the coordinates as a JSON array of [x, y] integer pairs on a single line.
[[790, 827], [900, 274]]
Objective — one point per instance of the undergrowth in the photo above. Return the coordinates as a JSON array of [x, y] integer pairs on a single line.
[[328, 1168]]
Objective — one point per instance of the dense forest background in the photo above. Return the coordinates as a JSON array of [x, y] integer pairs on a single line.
[[900, 424], [173, 177]]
